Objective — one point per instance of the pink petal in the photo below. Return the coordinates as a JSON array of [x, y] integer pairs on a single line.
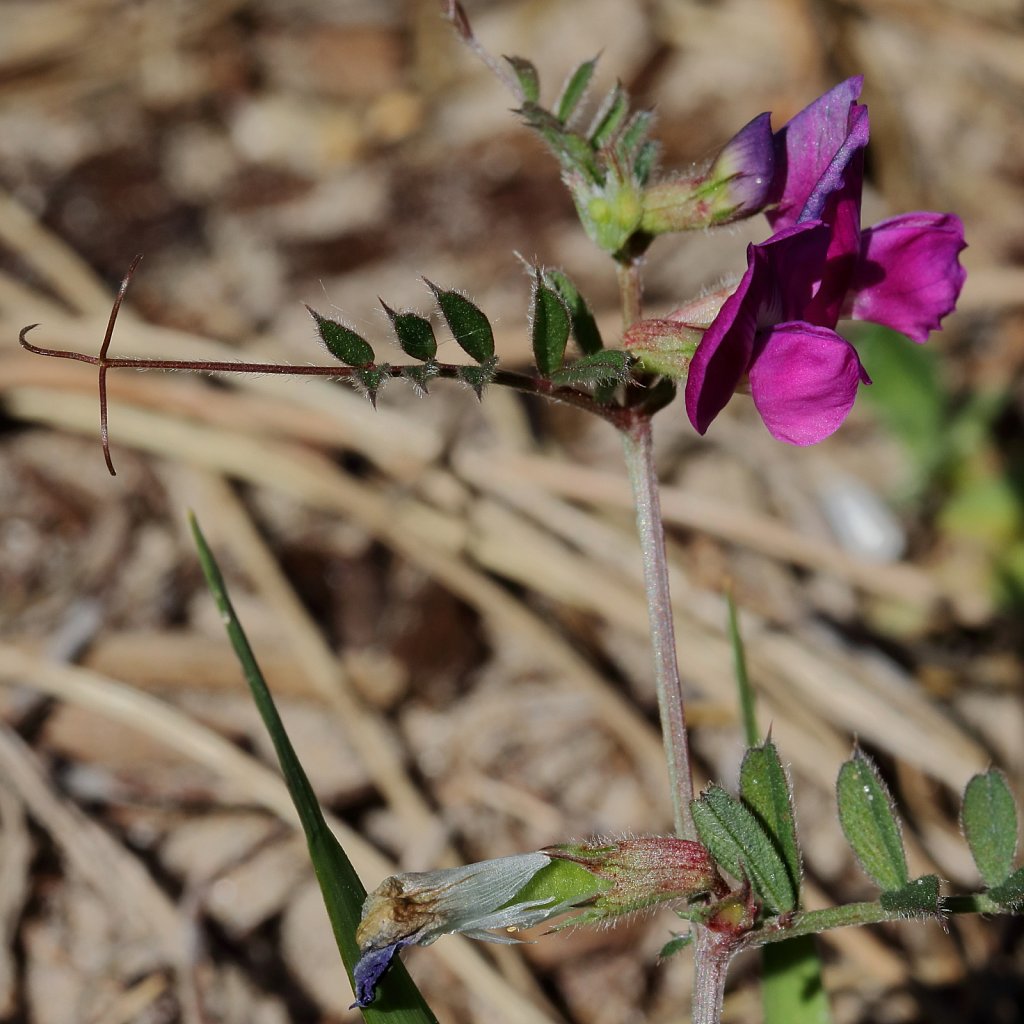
[[909, 276], [804, 381]]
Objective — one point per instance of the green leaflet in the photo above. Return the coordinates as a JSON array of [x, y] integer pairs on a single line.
[[414, 333], [610, 116], [610, 365], [574, 90], [584, 327], [1011, 892], [740, 844], [550, 322], [870, 824], [989, 820], [764, 786], [526, 75], [342, 342], [468, 324]]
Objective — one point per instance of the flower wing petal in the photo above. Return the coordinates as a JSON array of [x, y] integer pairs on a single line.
[[909, 276], [804, 381], [724, 353], [781, 274]]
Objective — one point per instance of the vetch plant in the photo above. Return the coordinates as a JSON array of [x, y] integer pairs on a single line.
[[734, 868]]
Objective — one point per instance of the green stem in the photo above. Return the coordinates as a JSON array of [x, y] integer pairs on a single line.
[[638, 448]]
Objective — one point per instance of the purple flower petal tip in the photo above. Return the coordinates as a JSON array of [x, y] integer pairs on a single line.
[[748, 159], [371, 965], [807, 146]]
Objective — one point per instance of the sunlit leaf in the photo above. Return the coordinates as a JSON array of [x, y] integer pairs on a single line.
[[869, 822], [989, 821], [740, 844]]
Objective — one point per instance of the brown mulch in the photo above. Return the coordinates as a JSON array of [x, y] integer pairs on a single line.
[[444, 593]]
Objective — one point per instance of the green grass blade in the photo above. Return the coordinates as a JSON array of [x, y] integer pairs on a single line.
[[791, 988], [739, 664], [398, 1000]]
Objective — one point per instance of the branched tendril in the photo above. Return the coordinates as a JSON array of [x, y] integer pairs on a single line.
[[565, 391]]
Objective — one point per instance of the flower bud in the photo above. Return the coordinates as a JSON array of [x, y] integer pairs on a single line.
[[735, 915], [663, 346], [641, 872], [734, 186]]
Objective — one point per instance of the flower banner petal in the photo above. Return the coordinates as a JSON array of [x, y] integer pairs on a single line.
[[909, 276], [805, 147], [804, 382]]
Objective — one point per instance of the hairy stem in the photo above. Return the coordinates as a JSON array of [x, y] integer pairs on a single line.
[[813, 922], [711, 956], [631, 289], [638, 447]]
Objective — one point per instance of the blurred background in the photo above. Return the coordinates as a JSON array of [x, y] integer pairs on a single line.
[[444, 593]]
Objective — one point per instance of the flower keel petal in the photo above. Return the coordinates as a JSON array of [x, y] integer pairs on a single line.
[[804, 382]]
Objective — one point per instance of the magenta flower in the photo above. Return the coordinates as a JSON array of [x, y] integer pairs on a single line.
[[778, 328]]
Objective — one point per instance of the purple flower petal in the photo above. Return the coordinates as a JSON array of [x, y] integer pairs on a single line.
[[806, 146], [780, 275], [793, 261], [804, 381], [836, 201], [845, 171], [724, 353], [909, 276]]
